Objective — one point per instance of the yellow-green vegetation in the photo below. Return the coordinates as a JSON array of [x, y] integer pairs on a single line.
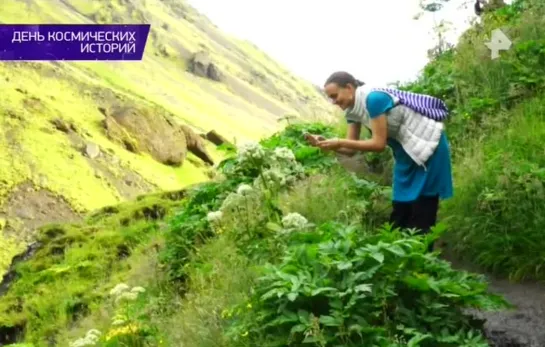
[[9, 246], [496, 127], [34, 94], [190, 277], [79, 263]]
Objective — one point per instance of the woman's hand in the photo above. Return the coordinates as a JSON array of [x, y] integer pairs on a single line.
[[313, 140], [330, 145]]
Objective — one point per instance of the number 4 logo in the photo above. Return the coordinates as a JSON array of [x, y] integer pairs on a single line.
[[499, 41]]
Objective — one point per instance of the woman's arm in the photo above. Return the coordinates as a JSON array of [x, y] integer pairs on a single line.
[[354, 131], [377, 143], [378, 104]]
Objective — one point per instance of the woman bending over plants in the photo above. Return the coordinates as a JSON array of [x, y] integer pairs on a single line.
[[411, 125]]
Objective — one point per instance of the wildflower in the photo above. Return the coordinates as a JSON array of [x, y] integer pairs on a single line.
[[244, 189], [232, 199], [126, 330], [294, 221], [127, 296], [226, 314], [250, 151], [118, 322], [90, 339], [94, 332], [138, 290], [284, 153], [214, 216], [273, 176], [119, 289]]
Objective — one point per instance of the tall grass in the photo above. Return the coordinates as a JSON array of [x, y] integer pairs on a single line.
[[497, 217], [496, 127]]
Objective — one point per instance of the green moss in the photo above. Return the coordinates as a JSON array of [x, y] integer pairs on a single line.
[[85, 7], [76, 266], [53, 156], [9, 247]]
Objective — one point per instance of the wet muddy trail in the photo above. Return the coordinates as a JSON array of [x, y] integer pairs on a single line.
[[522, 326]]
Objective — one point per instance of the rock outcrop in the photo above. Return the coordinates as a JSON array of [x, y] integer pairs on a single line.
[[154, 132], [214, 137], [195, 145], [138, 129], [201, 65]]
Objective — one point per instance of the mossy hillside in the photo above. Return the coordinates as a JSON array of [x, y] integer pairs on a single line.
[[181, 93], [180, 89], [49, 159], [76, 265], [9, 246], [34, 151]]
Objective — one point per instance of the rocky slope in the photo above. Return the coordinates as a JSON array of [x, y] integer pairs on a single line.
[[78, 136]]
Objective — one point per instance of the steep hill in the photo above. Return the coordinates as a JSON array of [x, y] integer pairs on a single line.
[[78, 136]]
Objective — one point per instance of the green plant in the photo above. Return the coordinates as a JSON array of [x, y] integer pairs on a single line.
[[130, 325], [313, 159], [340, 285], [189, 228], [496, 218], [255, 166]]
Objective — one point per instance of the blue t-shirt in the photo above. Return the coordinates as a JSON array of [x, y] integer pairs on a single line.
[[411, 180]]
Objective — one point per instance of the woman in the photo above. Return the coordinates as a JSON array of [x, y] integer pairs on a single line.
[[422, 171]]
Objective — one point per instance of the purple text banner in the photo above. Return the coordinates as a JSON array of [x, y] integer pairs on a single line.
[[73, 41]]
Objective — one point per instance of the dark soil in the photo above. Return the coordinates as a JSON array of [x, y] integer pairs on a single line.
[[523, 326]]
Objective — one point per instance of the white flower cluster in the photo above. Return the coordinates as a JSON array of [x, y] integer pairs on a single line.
[[283, 154], [232, 200], [123, 292], [280, 167], [250, 151], [90, 339], [294, 221], [280, 175], [244, 189], [236, 198], [214, 216]]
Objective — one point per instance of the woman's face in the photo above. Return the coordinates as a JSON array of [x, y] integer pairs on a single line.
[[340, 96]]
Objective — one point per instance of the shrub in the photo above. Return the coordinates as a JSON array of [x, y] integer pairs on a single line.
[[339, 285]]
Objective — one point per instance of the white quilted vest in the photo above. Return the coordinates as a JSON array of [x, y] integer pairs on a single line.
[[418, 134]]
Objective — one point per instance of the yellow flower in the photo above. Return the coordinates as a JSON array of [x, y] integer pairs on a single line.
[[125, 330]]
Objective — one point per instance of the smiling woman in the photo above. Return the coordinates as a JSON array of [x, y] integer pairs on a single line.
[[422, 171]]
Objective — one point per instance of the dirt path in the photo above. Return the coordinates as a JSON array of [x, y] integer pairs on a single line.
[[523, 326]]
